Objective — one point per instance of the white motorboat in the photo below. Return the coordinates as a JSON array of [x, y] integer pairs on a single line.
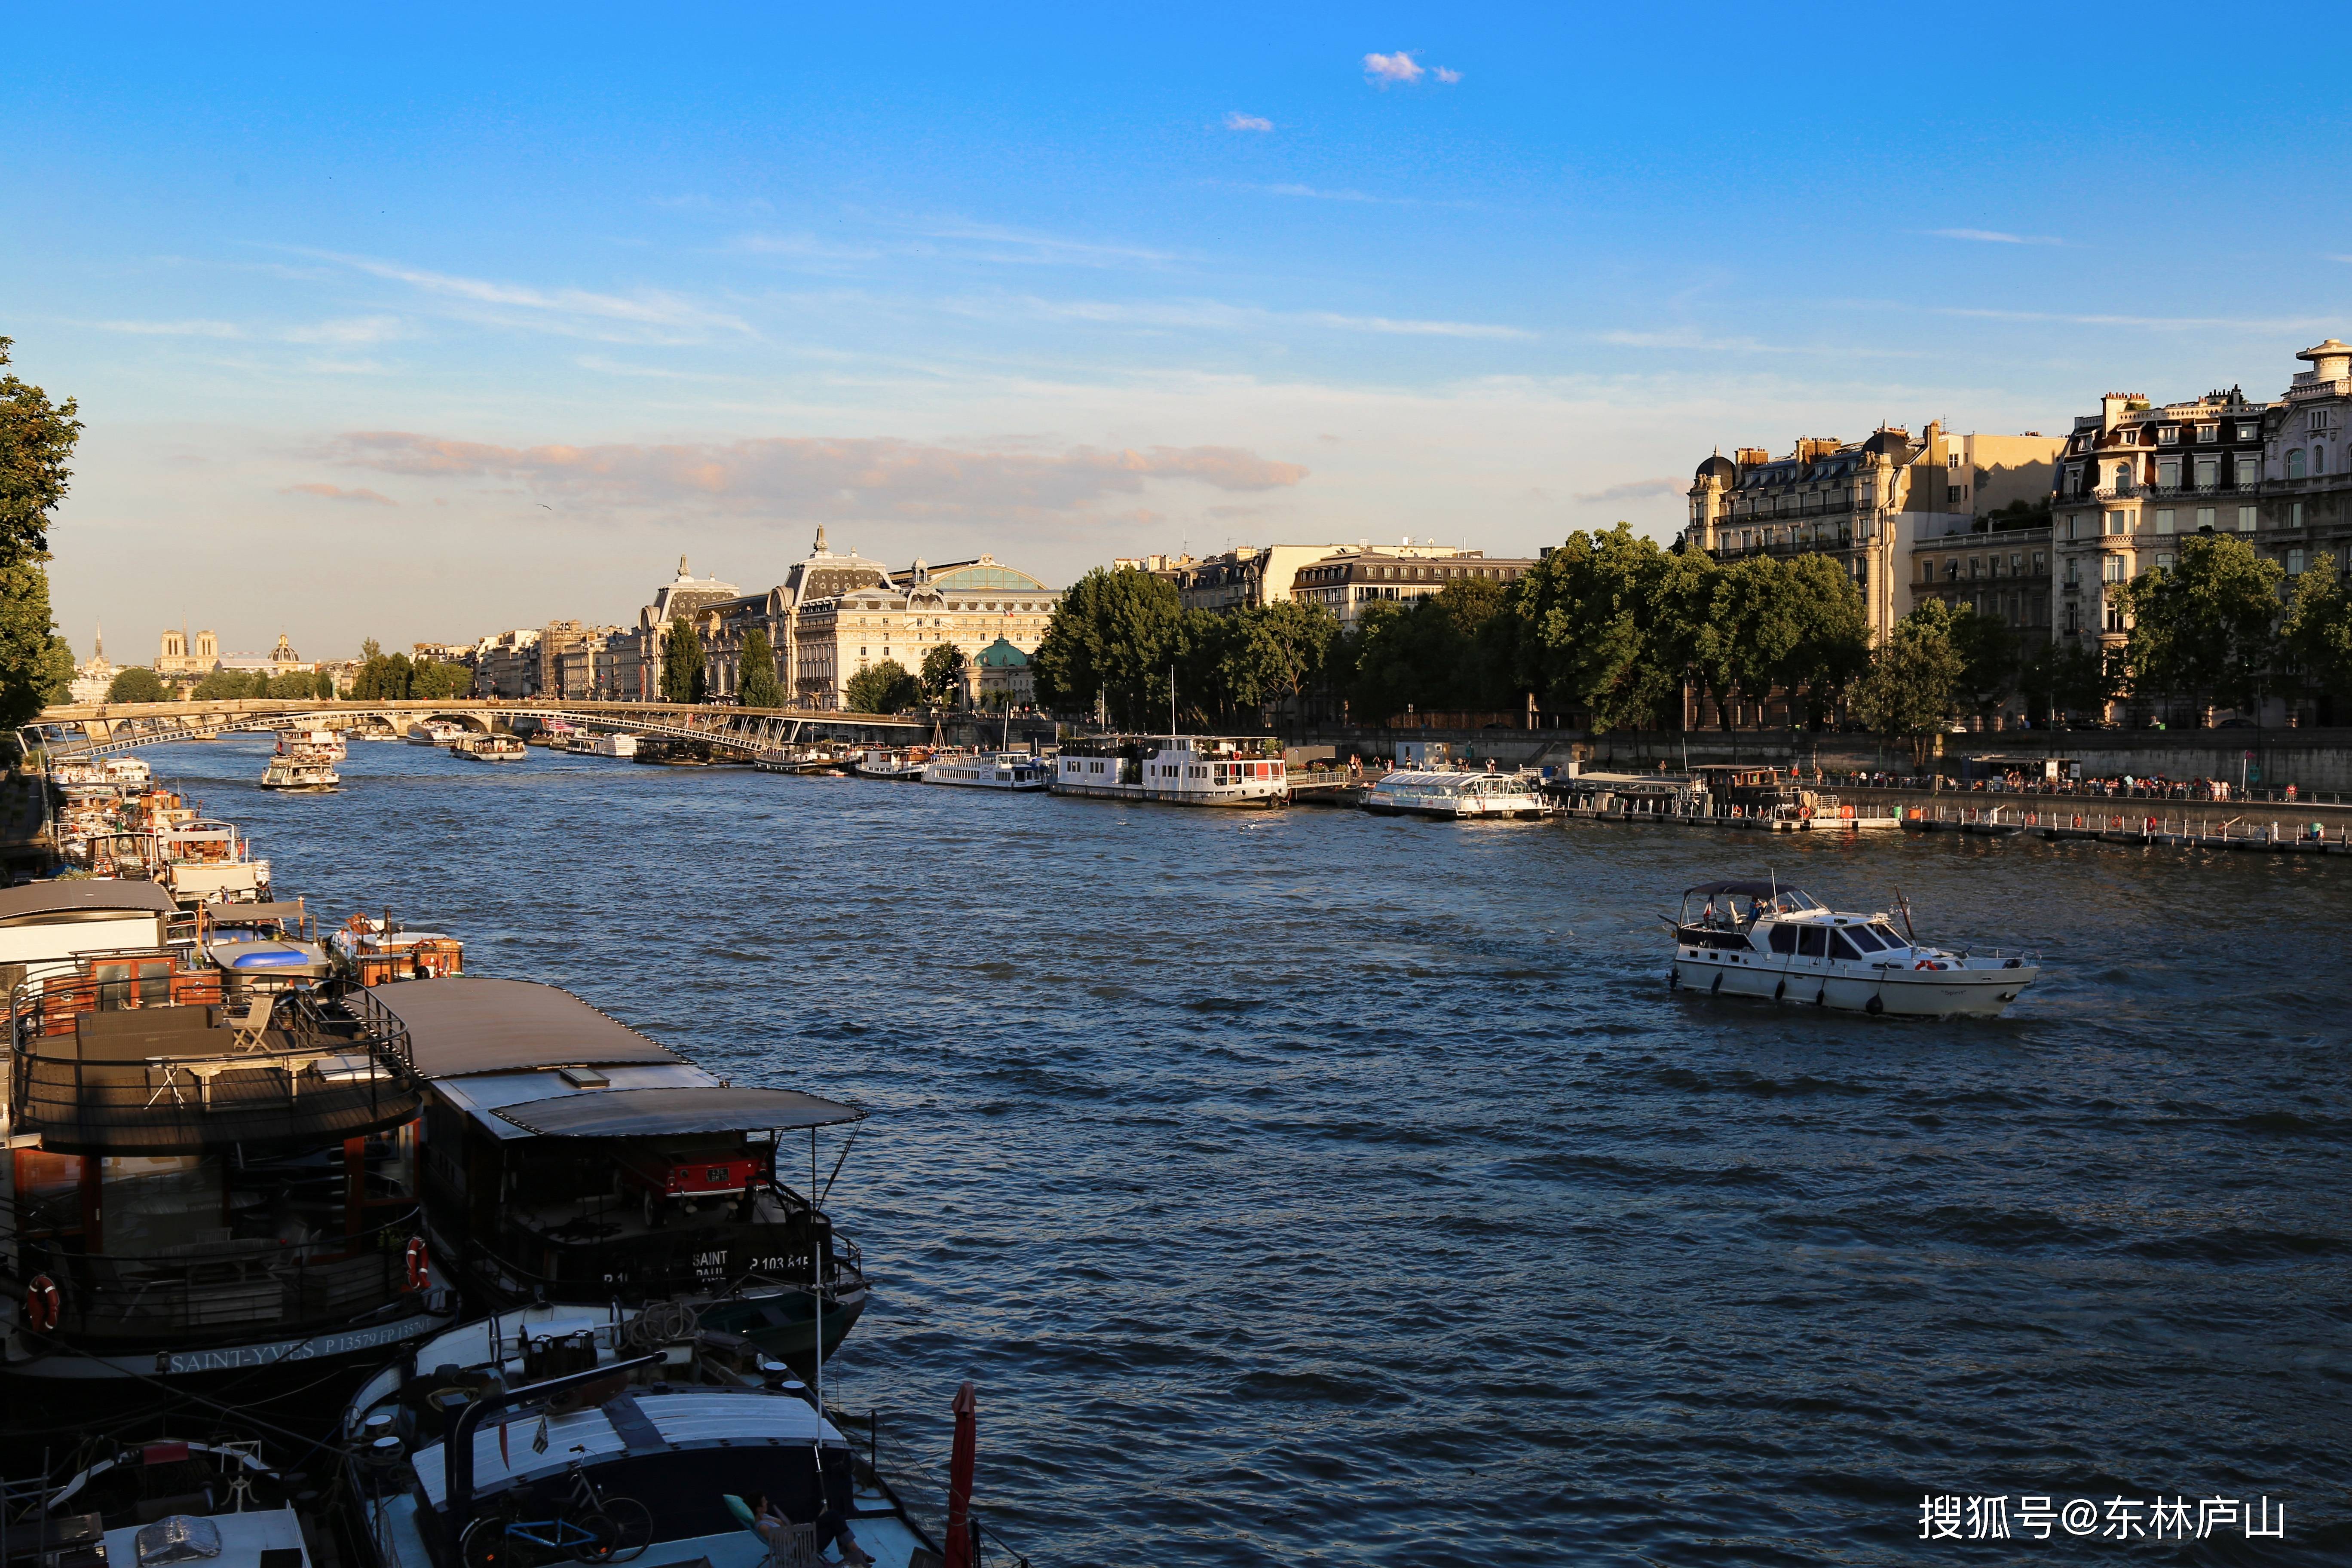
[[898, 764], [1435, 792], [614, 745], [487, 748], [988, 770], [1759, 939], [434, 732], [299, 774]]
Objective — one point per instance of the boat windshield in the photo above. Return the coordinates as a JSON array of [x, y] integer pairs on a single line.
[[1886, 933], [1793, 901]]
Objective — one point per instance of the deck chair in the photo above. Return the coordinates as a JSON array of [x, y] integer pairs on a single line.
[[789, 1546], [252, 1026]]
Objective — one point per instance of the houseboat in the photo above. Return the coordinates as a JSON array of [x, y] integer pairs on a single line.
[[212, 1184], [1759, 939], [898, 764], [151, 1500], [371, 951], [206, 860], [1180, 770], [435, 733], [570, 1159], [989, 769], [487, 748], [1457, 795], [614, 745]]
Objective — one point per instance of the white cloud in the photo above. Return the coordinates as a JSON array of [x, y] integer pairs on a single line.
[[1995, 237], [1000, 243], [1237, 120], [173, 329], [1448, 77], [1311, 193], [649, 314], [799, 478], [350, 329], [1635, 489], [1386, 70], [337, 492], [2289, 325], [1215, 315]]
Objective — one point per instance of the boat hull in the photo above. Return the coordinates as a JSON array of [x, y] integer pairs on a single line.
[[1895, 992]]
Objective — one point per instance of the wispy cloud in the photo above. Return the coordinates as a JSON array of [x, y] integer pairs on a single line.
[[336, 492], [652, 313], [2171, 323], [1635, 489], [173, 329], [1411, 329], [1217, 315], [1237, 120], [1995, 237], [1400, 70], [998, 242], [350, 329], [1312, 192], [796, 477]]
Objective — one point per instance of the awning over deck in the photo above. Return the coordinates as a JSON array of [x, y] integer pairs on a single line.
[[463, 1024], [669, 1112]]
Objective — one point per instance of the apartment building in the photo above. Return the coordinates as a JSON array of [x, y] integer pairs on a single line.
[[1349, 580]]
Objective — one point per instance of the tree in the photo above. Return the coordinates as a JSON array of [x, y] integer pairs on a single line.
[[2206, 629], [1988, 654], [37, 442], [230, 686], [371, 650], [431, 679], [2071, 679], [756, 685], [1832, 641], [2317, 633], [883, 688], [1273, 651], [683, 674], [1112, 638], [942, 678], [137, 684], [1586, 610], [1907, 693]]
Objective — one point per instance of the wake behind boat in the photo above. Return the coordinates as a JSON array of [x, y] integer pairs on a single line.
[[1759, 939]]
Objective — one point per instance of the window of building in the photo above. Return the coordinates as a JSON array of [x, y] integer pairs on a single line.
[[2164, 519], [2163, 562], [2040, 564], [2294, 562], [2073, 527], [2209, 472], [2114, 522], [2246, 520], [2294, 514], [2167, 434], [2168, 472], [2111, 568], [2248, 432], [2016, 565], [2293, 463], [1975, 565], [2208, 432], [2205, 517], [2318, 461]]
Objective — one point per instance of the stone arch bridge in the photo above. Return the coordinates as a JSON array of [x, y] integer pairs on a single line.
[[111, 729]]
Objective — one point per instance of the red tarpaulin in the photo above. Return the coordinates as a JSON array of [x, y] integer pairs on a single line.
[[967, 1441]]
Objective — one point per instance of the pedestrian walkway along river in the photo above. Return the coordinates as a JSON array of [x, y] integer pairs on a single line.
[[1313, 1188]]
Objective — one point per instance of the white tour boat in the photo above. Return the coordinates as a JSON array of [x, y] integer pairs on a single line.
[[487, 748], [1459, 796], [989, 769], [896, 763], [1180, 770], [434, 732], [614, 745], [1759, 939], [299, 774]]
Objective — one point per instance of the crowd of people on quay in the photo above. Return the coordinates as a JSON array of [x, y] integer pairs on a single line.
[[2135, 786]]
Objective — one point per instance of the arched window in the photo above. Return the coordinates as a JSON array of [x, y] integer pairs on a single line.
[[2123, 475], [2318, 461], [2295, 463]]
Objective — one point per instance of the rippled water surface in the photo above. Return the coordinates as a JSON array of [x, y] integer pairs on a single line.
[[1311, 1188]]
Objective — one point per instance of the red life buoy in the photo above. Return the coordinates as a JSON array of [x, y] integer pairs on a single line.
[[419, 1271], [43, 1304], [1927, 964], [1804, 814]]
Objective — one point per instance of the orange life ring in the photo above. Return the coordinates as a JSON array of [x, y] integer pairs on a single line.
[[1804, 814], [419, 1269], [1927, 964], [43, 1304]]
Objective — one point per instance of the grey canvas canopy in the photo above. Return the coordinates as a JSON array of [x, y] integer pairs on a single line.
[[464, 1025], [669, 1112], [90, 895], [1745, 890]]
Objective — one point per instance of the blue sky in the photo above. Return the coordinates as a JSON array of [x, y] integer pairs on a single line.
[[429, 323]]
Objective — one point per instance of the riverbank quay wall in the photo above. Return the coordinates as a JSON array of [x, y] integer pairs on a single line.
[[2315, 762]]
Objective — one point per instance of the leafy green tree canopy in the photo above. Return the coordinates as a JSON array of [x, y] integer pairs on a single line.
[[884, 688], [1908, 692], [1114, 635], [137, 684], [756, 681], [37, 442], [942, 678], [684, 677], [2317, 633], [2207, 630]]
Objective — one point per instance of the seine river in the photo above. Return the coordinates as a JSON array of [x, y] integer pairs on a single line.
[[1310, 1188]]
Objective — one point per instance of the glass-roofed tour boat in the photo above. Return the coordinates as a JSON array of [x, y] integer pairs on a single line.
[[568, 1157], [1759, 939]]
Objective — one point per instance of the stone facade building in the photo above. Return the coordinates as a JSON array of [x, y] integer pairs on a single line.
[[1870, 505], [971, 605], [1346, 580], [181, 658]]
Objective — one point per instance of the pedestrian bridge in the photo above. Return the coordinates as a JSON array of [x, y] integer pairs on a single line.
[[110, 729]]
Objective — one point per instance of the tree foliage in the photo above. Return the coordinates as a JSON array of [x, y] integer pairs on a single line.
[[883, 688], [757, 684], [1987, 651], [37, 442], [1908, 692], [2206, 629], [942, 677], [684, 677], [1447, 651], [394, 678], [137, 684], [2317, 632], [1113, 637]]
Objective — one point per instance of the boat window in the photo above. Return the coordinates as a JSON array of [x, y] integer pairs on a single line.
[[1840, 946], [1812, 942], [1784, 939], [1864, 938], [1886, 933]]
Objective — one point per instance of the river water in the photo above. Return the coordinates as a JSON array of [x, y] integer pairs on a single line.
[[1312, 1188]]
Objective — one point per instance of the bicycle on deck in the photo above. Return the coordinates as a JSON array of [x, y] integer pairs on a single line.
[[585, 1526]]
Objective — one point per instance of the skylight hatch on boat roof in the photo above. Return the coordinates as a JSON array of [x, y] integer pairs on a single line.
[[668, 1112]]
